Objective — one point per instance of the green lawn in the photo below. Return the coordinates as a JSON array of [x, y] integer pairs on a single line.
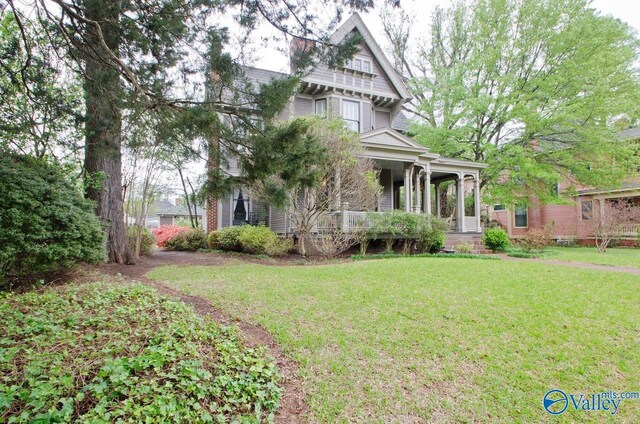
[[619, 257], [404, 340]]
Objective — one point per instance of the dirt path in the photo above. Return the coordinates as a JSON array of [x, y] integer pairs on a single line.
[[293, 408], [571, 264]]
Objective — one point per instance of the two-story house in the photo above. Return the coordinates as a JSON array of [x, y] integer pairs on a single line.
[[577, 220], [368, 94]]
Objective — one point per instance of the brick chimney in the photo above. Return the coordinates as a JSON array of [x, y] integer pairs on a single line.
[[298, 49]]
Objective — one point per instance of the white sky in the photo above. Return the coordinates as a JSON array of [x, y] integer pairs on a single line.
[[625, 10]]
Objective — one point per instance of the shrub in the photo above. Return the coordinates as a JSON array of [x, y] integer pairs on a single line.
[[280, 246], [229, 238], [146, 240], [431, 232], [382, 225], [464, 248], [535, 240], [213, 240], [45, 224], [255, 239], [190, 240], [166, 232], [495, 239]]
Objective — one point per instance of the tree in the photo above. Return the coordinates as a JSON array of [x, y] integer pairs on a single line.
[[40, 104], [530, 87], [318, 168], [149, 55], [616, 215]]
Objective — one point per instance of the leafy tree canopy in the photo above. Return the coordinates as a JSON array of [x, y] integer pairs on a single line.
[[532, 88]]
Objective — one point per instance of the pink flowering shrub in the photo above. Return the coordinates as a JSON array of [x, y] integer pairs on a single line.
[[167, 232]]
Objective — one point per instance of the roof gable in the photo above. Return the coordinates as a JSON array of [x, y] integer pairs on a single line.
[[355, 22], [387, 137]]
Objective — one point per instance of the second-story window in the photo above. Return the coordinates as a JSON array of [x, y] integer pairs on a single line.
[[351, 114], [366, 66], [321, 108]]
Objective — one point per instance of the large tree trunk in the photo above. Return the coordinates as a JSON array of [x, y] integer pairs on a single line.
[[103, 155]]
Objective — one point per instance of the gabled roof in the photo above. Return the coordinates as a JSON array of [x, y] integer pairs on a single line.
[[355, 22], [387, 137], [262, 76]]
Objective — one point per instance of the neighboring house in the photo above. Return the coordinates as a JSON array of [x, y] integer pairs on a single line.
[[368, 94], [168, 212], [575, 221]]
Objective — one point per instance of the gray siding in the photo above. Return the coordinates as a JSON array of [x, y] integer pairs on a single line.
[[366, 116], [278, 220], [303, 106], [380, 82], [334, 110], [386, 199], [383, 119], [226, 210], [321, 72]]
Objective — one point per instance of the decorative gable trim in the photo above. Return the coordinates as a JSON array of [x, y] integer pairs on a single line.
[[356, 22], [392, 138]]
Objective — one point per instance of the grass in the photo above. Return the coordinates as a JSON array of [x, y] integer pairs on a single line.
[[408, 339], [613, 256], [104, 353]]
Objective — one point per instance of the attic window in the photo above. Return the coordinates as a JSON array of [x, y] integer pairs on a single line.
[[358, 65]]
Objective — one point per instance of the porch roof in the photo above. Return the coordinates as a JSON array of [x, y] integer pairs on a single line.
[[389, 144]]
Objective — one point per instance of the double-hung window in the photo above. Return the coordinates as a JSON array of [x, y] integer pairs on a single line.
[[351, 114], [321, 107], [521, 217]]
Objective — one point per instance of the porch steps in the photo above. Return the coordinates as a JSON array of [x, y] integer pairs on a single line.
[[451, 240]]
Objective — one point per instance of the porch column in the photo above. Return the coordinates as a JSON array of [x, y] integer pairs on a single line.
[[437, 191], [476, 193], [460, 200], [407, 189], [427, 193], [418, 203]]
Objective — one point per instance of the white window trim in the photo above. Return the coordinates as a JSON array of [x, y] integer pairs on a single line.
[[361, 117], [326, 106]]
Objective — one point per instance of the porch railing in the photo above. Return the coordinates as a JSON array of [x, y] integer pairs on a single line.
[[630, 230], [349, 221]]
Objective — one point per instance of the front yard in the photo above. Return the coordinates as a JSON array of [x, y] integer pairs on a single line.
[[615, 257], [410, 339]]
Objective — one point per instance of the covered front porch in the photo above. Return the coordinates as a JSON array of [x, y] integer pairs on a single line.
[[416, 181]]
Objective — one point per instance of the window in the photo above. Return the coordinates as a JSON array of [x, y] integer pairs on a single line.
[[587, 210], [498, 207], [351, 114], [358, 65], [521, 217], [240, 208], [321, 107]]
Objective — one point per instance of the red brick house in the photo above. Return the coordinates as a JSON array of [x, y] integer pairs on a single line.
[[574, 221]]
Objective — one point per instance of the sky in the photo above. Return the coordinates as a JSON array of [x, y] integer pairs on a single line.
[[625, 10]]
